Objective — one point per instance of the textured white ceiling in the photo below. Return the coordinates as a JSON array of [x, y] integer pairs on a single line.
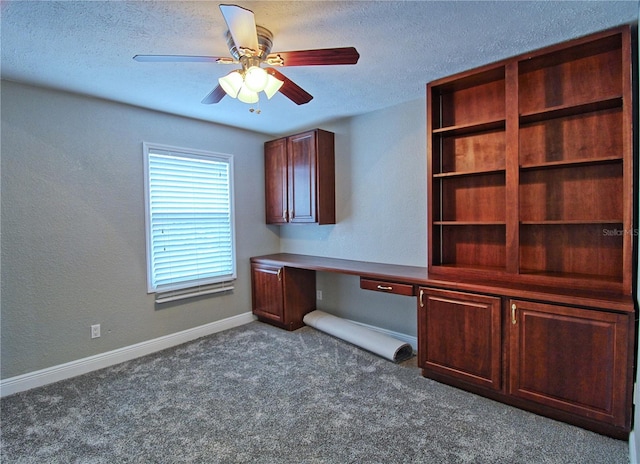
[[87, 46]]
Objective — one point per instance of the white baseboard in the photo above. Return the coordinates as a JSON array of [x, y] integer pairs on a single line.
[[633, 452], [413, 341], [99, 361]]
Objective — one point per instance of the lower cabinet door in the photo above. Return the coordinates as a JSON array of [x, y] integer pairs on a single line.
[[571, 359], [267, 292], [282, 295], [460, 336]]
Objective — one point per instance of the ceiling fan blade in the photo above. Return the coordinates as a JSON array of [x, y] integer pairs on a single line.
[[214, 96], [325, 56], [290, 89], [242, 26], [183, 59]]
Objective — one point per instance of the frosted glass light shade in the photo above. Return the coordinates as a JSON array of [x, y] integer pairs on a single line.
[[255, 79], [231, 83], [273, 85], [247, 95]]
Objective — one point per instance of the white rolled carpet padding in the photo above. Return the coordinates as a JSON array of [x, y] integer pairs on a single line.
[[383, 345]]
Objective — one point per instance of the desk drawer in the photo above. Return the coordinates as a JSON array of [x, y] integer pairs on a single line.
[[387, 287]]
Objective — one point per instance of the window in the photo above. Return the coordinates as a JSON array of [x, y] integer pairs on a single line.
[[189, 221]]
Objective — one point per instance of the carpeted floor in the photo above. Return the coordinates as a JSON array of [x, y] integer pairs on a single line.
[[260, 394]]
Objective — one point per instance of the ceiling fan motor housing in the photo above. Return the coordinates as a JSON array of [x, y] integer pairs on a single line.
[[265, 42]]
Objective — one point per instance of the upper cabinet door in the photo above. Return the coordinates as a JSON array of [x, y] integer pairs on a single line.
[[275, 181], [301, 150], [300, 178]]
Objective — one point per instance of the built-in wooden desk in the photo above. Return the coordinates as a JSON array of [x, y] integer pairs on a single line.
[[284, 284], [566, 354], [419, 277]]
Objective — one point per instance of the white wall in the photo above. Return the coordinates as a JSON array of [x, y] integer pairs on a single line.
[[72, 221], [381, 212], [73, 240]]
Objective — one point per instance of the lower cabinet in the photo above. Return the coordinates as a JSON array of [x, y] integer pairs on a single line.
[[573, 364], [460, 336], [282, 295], [571, 359]]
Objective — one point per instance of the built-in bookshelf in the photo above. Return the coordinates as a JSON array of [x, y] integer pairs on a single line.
[[531, 167]]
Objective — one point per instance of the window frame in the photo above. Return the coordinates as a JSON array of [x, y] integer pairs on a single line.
[[192, 287]]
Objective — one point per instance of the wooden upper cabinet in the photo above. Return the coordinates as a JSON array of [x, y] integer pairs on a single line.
[[530, 164], [300, 178], [275, 181], [302, 157]]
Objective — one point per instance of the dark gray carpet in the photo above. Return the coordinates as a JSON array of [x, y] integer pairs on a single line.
[[261, 394]]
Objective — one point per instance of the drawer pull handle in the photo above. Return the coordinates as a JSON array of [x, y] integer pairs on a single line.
[[280, 274], [513, 313], [421, 299], [382, 287]]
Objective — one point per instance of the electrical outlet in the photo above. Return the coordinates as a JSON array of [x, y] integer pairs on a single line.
[[95, 331], [318, 294]]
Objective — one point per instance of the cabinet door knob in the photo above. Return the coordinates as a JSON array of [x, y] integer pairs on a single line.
[[513, 313]]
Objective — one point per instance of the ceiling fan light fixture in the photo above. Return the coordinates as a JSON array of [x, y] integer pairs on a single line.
[[247, 95], [231, 83], [255, 79], [250, 46], [273, 85]]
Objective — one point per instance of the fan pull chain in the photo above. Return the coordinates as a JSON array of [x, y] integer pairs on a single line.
[[256, 110]]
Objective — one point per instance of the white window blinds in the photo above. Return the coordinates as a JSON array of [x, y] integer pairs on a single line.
[[190, 221]]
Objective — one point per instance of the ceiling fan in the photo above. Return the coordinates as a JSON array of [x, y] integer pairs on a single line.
[[250, 47]]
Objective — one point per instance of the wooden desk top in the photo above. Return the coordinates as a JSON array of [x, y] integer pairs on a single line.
[[419, 276], [392, 272]]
